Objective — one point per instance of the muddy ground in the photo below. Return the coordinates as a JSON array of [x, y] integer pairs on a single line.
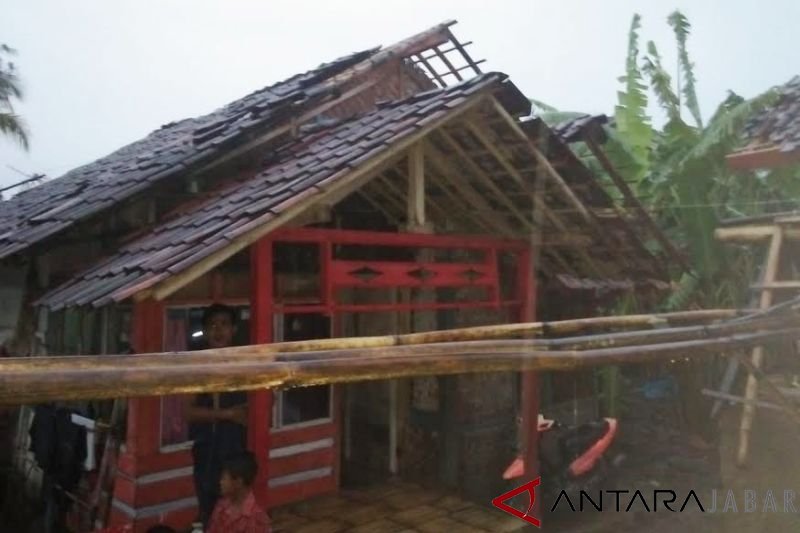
[[662, 451]]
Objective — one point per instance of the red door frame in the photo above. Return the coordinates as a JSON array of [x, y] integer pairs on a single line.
[[336, 273]]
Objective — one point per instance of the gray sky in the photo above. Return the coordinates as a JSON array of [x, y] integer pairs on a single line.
[[100, 74]]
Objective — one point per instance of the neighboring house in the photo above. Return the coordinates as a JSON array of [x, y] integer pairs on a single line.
[[773, 136], [390, 191]]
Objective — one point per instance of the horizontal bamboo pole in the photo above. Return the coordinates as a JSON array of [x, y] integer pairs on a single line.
[[269, 351], [83, 383], [753, 233]]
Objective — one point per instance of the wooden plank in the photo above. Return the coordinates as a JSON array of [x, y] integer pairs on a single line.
[[415, 217], [448, 63], [152, 464], [154, 493], [431, 71], [282, 466], [289, 437], [461, 48]]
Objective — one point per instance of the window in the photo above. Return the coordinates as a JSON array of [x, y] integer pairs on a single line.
[[183, 330], [304, 405]]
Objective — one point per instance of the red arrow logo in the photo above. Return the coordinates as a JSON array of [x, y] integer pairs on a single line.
[[530, 488]]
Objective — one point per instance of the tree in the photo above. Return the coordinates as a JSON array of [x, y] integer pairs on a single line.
[[11, 124], [679, 172]]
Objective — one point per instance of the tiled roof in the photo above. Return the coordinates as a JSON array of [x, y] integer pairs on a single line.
[[296, 174], [33, 215], [779, 125]]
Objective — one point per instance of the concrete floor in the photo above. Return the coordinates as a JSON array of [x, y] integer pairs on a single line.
[[392, 508]]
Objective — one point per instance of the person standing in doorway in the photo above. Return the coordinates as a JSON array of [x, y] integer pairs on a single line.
[[217, 422]]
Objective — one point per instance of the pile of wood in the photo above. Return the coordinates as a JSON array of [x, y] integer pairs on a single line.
[[538, 346]]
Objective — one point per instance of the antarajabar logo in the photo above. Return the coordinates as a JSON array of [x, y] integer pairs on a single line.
[[651, 501]]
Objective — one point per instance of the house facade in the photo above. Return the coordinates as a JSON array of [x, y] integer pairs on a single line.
[[396, 190]]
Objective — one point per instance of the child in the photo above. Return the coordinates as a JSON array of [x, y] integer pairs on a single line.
[[237, 510]]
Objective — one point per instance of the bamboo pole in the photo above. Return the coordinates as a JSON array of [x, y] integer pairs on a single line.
[[751, 388], [89, 382], [264, 351], [753, 233]]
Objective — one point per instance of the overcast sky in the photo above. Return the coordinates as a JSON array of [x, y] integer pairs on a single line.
[[100, 74]]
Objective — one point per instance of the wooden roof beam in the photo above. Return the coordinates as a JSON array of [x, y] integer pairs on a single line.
[[635, 204], [538, 199], [471, 196], [561, 185], [543, 162], [484, 178], [392, 189]]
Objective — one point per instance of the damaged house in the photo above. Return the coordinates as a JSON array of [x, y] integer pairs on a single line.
[[398, 189]]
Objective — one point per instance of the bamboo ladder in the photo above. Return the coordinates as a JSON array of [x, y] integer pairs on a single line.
[[776, 234], [757, 357]]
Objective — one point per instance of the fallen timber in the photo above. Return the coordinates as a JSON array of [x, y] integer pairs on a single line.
[[502, 331], [28, 380]]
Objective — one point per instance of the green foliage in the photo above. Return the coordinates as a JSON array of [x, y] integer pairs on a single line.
[[681, 27], [680, 172], [11, 124], [633, 125], [661, 83]]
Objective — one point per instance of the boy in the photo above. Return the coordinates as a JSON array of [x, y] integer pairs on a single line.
[[237, 510]]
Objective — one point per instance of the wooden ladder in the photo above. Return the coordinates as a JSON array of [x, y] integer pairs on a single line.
[[765, 288], [770, 274]]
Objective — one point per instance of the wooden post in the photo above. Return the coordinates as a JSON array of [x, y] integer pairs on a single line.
[[416, 186], [751, 389], [260, 402]]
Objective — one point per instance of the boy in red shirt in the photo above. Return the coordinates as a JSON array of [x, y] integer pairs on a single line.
[[237, 510]]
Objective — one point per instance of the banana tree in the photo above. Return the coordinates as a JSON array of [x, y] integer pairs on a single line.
[[11, 124]]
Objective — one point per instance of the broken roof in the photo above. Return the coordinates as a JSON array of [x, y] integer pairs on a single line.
[[43, 211], [304, 169], [773, 135], [314, 164]]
